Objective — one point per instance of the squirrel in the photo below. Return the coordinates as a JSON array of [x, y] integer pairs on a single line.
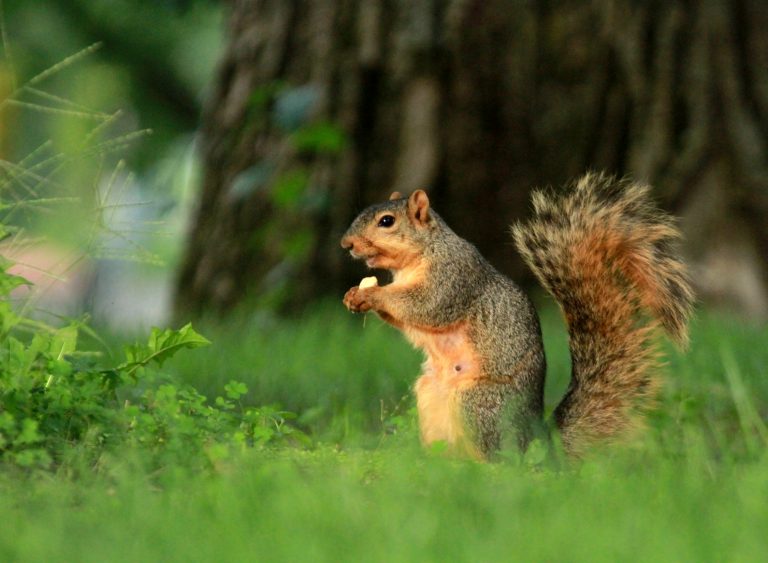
[[602, 249]]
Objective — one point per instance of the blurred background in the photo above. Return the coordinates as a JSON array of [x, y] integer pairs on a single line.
[[101, 104], [274, 122]]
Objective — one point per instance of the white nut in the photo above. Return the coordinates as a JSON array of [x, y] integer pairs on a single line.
[[368, 282]]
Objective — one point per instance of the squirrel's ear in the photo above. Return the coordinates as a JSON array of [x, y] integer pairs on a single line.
[[418, 207], [395, 195]]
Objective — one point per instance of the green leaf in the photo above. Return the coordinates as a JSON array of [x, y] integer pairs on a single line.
[[262, 96], [289, 188], [9, 282], [298, 243], [64, 341], [235, 389], [29, 433], [162, 345], [8, 318], [323, 137]]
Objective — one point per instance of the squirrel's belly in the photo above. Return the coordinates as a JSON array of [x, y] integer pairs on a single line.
[[451, 365]]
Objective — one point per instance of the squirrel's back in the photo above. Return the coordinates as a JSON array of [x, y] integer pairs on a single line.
[[605, 252]]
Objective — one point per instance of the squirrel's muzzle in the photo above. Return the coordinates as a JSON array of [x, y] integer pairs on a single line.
[[359, 248]]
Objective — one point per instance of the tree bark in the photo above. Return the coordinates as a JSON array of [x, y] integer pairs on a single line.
[[477, 102]]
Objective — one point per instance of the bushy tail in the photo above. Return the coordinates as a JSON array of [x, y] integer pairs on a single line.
[[605, 252]]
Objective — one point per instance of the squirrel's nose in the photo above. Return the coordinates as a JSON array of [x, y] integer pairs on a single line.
[[346, 242]]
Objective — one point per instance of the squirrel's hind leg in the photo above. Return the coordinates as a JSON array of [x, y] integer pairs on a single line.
[[496, 416]]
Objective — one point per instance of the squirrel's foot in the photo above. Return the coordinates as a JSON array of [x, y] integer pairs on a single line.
[[358, 300]]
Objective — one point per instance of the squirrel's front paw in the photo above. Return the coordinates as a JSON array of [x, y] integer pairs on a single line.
[[358, 300]]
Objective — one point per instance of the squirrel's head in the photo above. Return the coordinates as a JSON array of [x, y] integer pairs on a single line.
[[391, 235]]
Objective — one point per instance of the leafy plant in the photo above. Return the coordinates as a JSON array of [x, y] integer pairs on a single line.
[[57, 401], [60, 403]]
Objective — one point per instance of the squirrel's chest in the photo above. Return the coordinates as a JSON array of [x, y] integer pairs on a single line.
[[450, 354]]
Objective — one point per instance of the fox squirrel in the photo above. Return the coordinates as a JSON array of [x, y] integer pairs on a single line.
[[602, 249]]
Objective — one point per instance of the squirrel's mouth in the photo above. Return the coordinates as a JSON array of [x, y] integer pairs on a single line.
[[370, 258]]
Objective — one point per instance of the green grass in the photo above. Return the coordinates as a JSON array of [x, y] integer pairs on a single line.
[[344, 374], [398, 506], [341, 373], [694, 490]]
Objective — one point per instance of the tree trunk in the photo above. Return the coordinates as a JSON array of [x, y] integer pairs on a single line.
[[323, 107]]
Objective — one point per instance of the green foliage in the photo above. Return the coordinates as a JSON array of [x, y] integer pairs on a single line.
[[287, 115], [326, 365], [396, 504], [162, 345], [61, 405], [154, 72], [289, 188], [322, 138], [8, 281], [694, 489], [57, 401], [349, 377]]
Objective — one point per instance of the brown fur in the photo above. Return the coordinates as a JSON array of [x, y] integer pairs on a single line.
[[421, 252], [602, 249], [604, 252]]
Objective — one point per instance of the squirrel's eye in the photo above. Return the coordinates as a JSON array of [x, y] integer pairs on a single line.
[[387, 221]]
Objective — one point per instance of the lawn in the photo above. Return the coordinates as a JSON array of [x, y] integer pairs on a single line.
[[363, 489]]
